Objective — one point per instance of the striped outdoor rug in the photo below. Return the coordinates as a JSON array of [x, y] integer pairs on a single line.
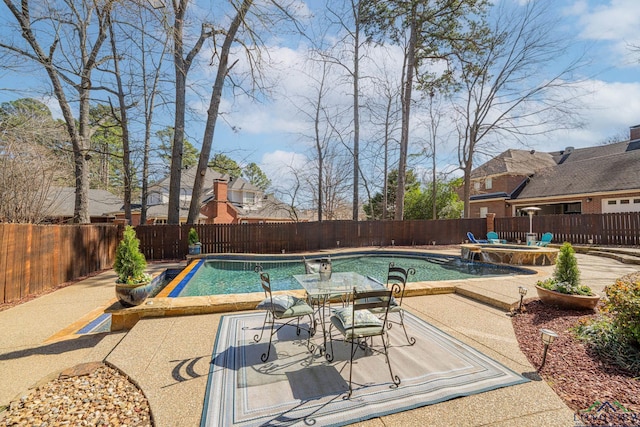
[[296, 388]]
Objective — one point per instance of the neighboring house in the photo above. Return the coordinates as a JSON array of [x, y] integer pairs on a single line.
[[598, 179], [61, 203], [225, 200]]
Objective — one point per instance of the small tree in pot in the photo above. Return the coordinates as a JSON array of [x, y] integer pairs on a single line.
[[194, 242], [564, 287], [132, 285]]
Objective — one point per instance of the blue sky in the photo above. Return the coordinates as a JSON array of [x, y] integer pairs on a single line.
[[272, 132], [270, 135]]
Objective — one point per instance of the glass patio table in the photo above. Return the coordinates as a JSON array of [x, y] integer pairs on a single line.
[[319, 292]]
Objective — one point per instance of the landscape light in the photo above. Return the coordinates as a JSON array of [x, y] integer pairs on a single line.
[[522, 291], [548, 336]]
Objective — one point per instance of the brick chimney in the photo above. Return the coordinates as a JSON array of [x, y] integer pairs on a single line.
[[220, 190], [634, 133], [220, 211]]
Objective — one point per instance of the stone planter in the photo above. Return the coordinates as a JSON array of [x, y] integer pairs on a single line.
[[577, 302], [132, 295]]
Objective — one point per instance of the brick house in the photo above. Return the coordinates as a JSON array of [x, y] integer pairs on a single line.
[[599, 179], [226, 200]]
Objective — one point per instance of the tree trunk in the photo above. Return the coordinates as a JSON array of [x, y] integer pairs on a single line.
[[406, 111], [212, 114], [180, 67], [124, 125], [356, 113]]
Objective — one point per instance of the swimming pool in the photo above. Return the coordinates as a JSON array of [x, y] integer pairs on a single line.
[[227, 275]]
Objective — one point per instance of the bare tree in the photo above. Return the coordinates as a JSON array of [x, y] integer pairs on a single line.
[[214, 106], [29, 169], [138, 50], [349, 21], [182, 63], [427, 31], [510, 88], [384, 111], [66, 42]]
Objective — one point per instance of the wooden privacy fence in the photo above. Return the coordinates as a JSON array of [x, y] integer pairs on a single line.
[[170, 241], [612, 229], [35, 258]]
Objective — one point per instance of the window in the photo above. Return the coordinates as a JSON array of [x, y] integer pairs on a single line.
[[488, 184], [249, 198], [476, 186], [624, 202], [612, 202], [484, 211], [636, 201]]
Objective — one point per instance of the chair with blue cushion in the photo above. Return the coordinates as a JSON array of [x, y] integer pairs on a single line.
[[545, 239], [397, 276], [472, 238], [493, 237], [282, 310], [358, 326]]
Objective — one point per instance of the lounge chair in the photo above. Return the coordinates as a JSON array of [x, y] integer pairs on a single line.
[[545, 239], [472, 239], [493, 237]]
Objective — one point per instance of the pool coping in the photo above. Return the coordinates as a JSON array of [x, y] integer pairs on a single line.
[[163, 306]]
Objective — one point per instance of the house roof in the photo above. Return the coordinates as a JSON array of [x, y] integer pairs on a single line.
[[189, 174], [272, 208], [514, 162], [588, 170], [61, 201]]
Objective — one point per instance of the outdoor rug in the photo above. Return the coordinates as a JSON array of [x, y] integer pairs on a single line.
[[297, 388]]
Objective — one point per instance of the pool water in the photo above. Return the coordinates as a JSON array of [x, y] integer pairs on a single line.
[[234, 277]]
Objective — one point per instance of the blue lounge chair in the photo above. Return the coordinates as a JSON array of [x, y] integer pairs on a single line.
[[545, 239], [493, 237], [472, 239]]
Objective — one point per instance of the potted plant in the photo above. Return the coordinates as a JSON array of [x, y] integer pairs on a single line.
[[133, 284], [564, 288], [194, 242]]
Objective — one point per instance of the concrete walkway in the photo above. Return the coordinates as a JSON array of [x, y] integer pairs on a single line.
[[169, 357]]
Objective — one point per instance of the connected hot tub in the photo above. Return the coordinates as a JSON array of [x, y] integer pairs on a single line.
[[510, 254]]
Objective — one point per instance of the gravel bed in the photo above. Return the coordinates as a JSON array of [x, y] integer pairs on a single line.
[[99, 396], [577, 375]]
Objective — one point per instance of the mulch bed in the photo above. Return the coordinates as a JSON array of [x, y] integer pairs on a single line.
[[574, 371]]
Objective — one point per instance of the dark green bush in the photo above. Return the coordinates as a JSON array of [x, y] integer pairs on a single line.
[[130, 262], [193, 236], [566, 270]]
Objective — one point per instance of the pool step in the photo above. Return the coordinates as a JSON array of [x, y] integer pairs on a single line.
[[500, 298]]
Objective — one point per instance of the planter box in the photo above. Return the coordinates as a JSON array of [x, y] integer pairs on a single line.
[[578, 302]]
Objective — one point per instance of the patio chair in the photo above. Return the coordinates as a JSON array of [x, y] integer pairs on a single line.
[[284, 310], [397, 276], [493, 237], [472, 238], [358, 326], [545, 239]]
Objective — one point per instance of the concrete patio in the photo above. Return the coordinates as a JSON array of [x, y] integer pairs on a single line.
[[168, 357]]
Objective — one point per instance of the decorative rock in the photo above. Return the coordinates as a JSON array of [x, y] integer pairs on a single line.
[[70, 400]]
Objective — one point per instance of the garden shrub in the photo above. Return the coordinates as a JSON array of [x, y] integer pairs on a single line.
[[623, 301], [615, 335], [566, 270], [130, 263], [604, 339]]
